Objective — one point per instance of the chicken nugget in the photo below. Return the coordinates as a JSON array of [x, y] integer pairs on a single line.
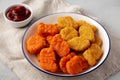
[[87, 33], [85, 64], [98, 40], [64, 60], [47, 29], [94, 28], [82, 22], [60, 46], [67, 21], [47, 59], [78, 43], [93, 54], [68, 33], [49, 39], [74, 65], [35, 43]]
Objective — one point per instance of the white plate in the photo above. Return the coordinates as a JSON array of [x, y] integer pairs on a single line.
[[52, 18]]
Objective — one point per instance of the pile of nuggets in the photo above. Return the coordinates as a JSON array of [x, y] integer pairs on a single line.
[[68, 46]]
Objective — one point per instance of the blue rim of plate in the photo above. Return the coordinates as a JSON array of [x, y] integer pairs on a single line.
[[59, 75]]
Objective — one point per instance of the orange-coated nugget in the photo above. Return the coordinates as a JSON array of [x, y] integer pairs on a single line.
[[64, 60], [85, 64], [49, 39], [47, 29], [47, 58], [35, 43], [60, 46], [74, 66]]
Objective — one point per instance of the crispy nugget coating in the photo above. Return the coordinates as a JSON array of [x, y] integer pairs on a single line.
[[68, 33], [47, 58], [49, 39], [82, 22], [85, 64], [87, 33], [60, 46], [64, 60], [98, 40], [94, 28], [93, 54], [78, 43], [35, 43], [74, 65], [67, 21], [47, 29]]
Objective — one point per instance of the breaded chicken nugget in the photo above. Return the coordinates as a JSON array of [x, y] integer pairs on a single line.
[[94, 28], [68, 33], [47, 29], [78, 43], [47, 58], [87, 33], [85, 64], [82, 22], [93, 54], [98, 40], [60, 46], [35, 43], [64, 60], [67, 21], [49, 39], [74, 65]]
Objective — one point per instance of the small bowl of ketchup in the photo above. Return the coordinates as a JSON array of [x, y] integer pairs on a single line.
[[18, 15]]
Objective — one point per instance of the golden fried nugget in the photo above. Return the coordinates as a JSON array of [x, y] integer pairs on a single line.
[[87, 33], [74, 65], [68, 33], [78, 43], [98, 40], [67, 21], [93, 54], [47, 29], [64, 60], [82, 22], [94, 28], [47, 59], [35, 43], [60, 46]]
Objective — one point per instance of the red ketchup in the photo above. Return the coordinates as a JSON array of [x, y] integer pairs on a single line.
[[18, 13]]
